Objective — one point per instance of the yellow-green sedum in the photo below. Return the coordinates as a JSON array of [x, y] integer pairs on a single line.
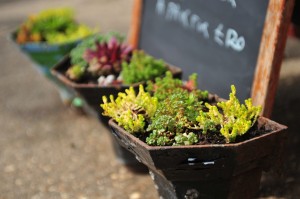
[[180, 118], [234, 119], [130, 110]]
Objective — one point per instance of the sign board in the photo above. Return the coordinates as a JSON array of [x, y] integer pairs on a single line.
[[224, 41]]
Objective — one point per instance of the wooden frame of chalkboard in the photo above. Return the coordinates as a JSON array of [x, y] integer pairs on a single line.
[[270, 52]]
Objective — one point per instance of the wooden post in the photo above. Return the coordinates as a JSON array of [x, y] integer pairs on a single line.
[[271, 54], [135, 23]]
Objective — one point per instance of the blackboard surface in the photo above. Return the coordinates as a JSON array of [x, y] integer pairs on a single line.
[[218, 39]]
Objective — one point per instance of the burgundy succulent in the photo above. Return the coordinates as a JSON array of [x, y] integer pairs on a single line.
[[107, 58]]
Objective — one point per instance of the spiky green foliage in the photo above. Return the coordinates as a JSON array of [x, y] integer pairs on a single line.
[[129, 110], [234, 119], [142, 67], [52, 26]]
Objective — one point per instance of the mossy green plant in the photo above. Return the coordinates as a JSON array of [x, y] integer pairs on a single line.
[[164, 86], [142, 67], [175, 115]]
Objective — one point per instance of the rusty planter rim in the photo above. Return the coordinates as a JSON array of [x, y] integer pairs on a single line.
[[281, 127]]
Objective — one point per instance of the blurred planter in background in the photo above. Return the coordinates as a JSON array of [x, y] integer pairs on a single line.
[[95, 69], [47, 37]]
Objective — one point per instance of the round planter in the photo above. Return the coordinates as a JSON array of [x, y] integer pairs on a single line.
[[209, 171], [45, 56]]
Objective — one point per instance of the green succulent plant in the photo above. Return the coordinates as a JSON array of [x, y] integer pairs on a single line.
[[99, 55], [76, 54]]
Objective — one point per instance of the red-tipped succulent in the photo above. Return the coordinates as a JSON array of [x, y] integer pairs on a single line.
[[107, 57]]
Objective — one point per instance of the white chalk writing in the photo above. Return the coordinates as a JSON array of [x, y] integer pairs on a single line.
[[219, 35], [231, 2], [225, 37], [234, 41], [160, 7]]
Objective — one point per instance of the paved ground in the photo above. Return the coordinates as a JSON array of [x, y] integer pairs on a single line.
[[49, 151]]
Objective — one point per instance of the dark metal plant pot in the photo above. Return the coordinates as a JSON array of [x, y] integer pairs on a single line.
[[92, 94], [209, 171], [45, 56]]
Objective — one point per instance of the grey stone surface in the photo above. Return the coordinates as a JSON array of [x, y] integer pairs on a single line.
[[49, 151]]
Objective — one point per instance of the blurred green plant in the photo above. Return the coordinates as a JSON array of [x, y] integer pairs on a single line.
[[77, 53], [53, 26]]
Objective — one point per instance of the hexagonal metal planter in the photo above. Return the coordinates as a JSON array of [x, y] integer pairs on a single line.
[[209, 171]]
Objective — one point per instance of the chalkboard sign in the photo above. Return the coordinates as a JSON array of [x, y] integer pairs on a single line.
[[221, 40]]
